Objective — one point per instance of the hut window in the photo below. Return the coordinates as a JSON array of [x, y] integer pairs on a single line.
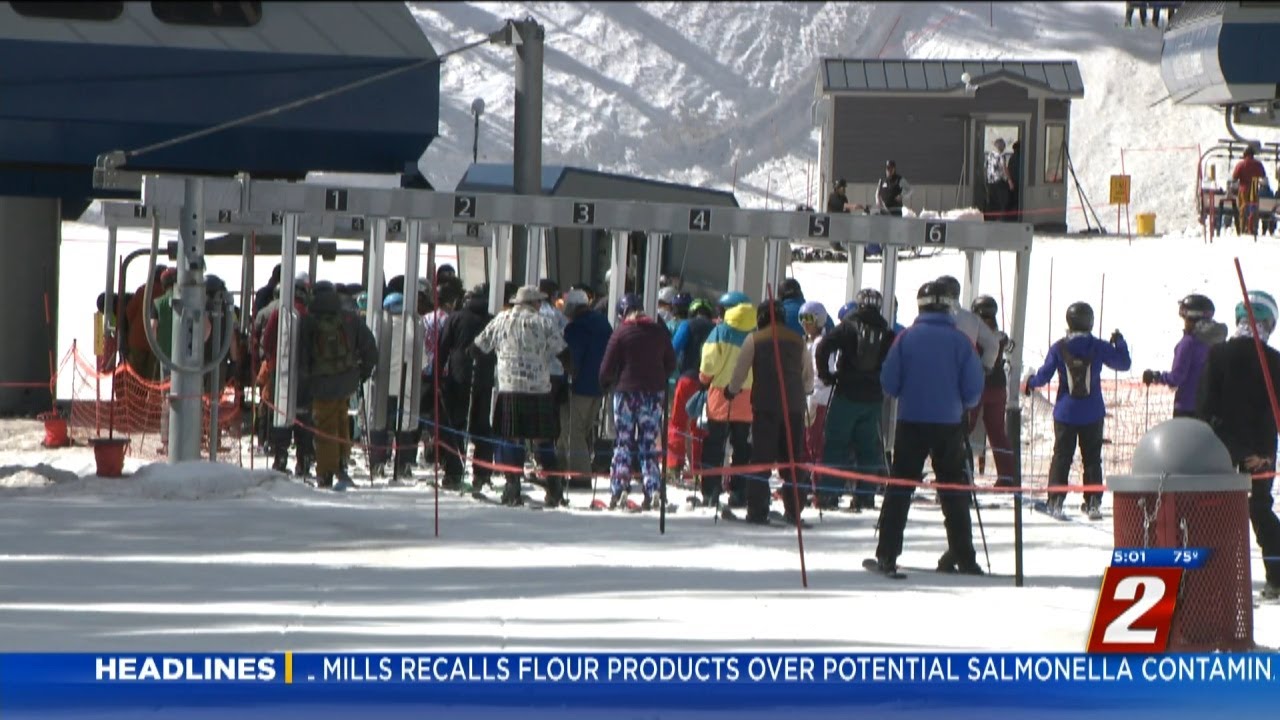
[[1055, 135]]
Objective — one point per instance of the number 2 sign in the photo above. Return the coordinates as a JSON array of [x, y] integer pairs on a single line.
[[1135, 610]]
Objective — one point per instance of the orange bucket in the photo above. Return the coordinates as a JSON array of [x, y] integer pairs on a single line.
[[55, 430], [108, 453]]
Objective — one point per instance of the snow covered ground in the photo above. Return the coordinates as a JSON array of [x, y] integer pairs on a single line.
[[201, 557]]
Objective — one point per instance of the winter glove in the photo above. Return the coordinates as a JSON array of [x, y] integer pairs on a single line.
[[1150, 376], [827, 379], [729, 394], [1116, 337], [1026, 386]]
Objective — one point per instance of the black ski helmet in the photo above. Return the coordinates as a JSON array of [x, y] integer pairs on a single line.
[[932, 297], [790, 288], [950, 287], [869, 297], [1195, 307], [630, 303], [1080, 317], [767, 311], [984, 306]]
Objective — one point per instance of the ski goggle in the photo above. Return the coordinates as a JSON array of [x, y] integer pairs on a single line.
[[808, 318]]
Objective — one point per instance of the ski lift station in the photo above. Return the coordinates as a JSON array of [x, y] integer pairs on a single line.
[[254, 96], [937, 118]]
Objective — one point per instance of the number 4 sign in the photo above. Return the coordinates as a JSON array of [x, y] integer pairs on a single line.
[[1135, 610]]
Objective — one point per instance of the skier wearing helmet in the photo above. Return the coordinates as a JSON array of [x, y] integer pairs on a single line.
[[1199, 333], [1077, 360], [1232, 399]]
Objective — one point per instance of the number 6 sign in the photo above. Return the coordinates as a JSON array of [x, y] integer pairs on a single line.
[[1135, 610]]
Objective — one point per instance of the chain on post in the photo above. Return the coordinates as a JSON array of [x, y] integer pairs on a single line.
[[1149, 518], [1185, 528]]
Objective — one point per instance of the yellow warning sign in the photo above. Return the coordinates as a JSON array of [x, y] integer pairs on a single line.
[[1119, 189]]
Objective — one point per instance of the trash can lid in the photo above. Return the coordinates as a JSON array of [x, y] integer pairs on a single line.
[[1187, 452]]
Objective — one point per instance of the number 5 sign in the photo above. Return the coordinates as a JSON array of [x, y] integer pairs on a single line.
[[1135, 610]]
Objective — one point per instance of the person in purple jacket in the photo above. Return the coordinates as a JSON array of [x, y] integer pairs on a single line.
[[1199, 333], [1078, 413], [638, 384], [936, 375]]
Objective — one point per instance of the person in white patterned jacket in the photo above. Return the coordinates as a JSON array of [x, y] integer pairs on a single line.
[[526, 343]]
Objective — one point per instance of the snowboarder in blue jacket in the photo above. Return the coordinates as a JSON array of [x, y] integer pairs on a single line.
[[1078, 413]]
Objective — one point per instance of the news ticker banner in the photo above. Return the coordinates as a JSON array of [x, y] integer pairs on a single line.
[[395, 685]]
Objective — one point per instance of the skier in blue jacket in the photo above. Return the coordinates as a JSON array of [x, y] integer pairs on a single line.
[[1078, 413], [936, 375]]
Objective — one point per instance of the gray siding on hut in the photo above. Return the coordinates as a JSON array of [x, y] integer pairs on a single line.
[[917, 133]]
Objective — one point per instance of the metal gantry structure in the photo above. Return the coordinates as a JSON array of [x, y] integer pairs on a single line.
[[196, 205]]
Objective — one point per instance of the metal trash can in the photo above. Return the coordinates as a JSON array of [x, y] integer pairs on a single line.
[[1184, 492]]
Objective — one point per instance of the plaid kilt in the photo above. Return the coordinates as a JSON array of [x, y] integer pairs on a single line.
[[526, 416]]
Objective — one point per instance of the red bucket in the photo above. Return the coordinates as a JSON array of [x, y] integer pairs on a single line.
[[109, 455], [55, 430]]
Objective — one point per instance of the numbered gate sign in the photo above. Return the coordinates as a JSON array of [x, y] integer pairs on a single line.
[[700, 219], [277, 218], [394, 225], [357, 223], [935, 233], [584, 213], [819, 226], [335, 200], [224, 216], [464, 206]]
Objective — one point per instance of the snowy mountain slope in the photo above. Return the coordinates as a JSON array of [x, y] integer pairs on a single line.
[[721, 94]]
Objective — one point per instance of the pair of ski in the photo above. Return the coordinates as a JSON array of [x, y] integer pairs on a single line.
[[631, 506], [1060, 514], [776, 520], [897, 574]]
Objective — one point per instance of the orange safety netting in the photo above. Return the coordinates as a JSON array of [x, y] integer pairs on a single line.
[[140, 411]]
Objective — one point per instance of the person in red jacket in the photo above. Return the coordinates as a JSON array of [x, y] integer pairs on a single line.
[[1246, 173], [638, 384]]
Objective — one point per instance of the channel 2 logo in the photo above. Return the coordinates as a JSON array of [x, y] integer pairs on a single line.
[[1138, 598]]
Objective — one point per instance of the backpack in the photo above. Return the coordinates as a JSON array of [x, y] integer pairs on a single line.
[[870, 339], [332, 353], [1079, 372]]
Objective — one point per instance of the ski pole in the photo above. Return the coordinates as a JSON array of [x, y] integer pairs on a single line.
[[977, 507]]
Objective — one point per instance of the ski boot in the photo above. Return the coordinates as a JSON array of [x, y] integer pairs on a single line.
[[1092, 509], [1053, 506], [451, 482], [281, 464], [325, 481], [302, 468], [1270, 592], [615, 501], [511, 496], [947, 563], [647, 505]]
